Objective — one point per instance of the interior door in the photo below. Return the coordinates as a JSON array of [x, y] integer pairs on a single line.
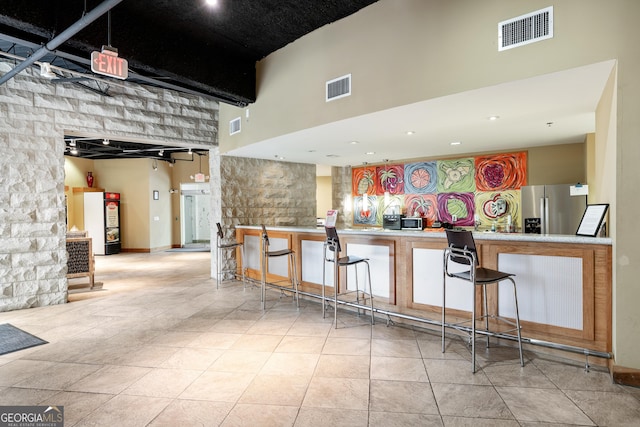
[[188, 219]]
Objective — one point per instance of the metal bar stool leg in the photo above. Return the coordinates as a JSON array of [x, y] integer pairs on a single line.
[[355, 268], [218, 266], [515, 296], [373, 320], [335, 293], [473, 333], [486, 311], [324, 282], [244, 268], [263, 282], [444, 293], [294, 278]]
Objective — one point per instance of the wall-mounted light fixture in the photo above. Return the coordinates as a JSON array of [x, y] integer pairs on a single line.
[[46, 72]]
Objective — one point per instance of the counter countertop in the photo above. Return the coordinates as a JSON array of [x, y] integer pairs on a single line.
[[439, 233]]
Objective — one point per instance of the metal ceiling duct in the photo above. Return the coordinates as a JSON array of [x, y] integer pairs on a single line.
[[87, 19]]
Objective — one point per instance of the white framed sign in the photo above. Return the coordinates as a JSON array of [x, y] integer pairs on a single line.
[[592, 220]]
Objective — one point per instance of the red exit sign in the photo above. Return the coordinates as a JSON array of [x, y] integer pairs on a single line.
[[107, 63]]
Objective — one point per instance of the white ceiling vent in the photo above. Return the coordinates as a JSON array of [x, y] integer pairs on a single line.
[[234, 126], [338, 88], [530, 28]]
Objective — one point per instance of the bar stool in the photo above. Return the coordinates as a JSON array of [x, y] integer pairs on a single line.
[[462, 250], [293, 275], [332, 254], [223, 248]]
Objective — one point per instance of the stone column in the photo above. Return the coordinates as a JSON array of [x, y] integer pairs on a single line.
[[341, 195]]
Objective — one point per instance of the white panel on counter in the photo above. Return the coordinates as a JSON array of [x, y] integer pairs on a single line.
[[379, 263], [427, 281], [312, 262], [252, 252], [549, 289]]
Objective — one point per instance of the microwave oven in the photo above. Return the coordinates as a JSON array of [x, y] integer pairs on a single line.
[[411, 223]]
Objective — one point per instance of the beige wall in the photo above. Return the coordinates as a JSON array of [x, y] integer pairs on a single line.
[[75, 171], [557, 164], [324, 201], [400, 52], [136, 179], [412, 50], [130, 178]]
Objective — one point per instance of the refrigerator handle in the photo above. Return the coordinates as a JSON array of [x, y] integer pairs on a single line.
[[542, 218], [547, 227]]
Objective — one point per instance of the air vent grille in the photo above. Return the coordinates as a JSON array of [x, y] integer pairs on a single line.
[[339, 88], [234, 126], [525, 29]]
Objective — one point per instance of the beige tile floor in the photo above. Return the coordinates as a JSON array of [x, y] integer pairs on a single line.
[[160, 346]]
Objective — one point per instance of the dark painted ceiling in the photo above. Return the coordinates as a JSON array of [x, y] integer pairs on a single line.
[[183, 45], [179, 44]]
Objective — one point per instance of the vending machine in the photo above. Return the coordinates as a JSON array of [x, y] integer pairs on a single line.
[[102, 221]]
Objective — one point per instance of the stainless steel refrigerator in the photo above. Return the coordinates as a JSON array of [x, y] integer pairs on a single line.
[[550, 209]]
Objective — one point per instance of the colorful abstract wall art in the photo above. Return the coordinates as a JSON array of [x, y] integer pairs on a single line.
[[497, 206], [390, 179], [420, 178], [363, 181], [456, 176], [501, 172], [485, 187]]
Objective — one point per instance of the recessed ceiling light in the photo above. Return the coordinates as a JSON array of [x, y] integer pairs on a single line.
[[105, 141], [455, 143], [211, 2], [410, 132], [353, 142], [332, 155], [368, 153], [493, 118]]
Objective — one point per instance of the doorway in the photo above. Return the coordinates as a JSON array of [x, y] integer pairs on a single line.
[[195, 214]]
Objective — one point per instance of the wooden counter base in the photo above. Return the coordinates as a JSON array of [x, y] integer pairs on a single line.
[[564, 282]]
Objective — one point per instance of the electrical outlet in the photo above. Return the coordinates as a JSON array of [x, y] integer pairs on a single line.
[[454, 218]]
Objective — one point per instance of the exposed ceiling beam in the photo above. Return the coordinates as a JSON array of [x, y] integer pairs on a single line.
[[61, 38]]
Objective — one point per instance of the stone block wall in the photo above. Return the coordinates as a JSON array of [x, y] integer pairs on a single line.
[[341, 195], [35, 114], [255, 192]]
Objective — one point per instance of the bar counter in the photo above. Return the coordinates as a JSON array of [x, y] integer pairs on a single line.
[[564, 282]]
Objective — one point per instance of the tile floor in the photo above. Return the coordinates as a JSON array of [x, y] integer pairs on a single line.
[[160, 346]]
